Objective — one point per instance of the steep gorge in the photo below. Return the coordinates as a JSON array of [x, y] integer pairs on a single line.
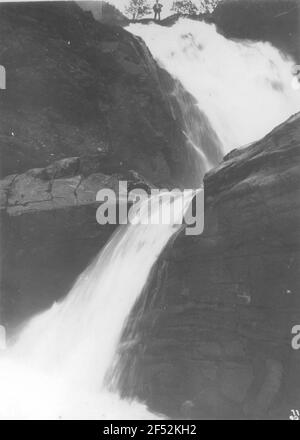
[[87, 106]]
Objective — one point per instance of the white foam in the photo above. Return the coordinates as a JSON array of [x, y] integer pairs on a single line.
[[244, 88]]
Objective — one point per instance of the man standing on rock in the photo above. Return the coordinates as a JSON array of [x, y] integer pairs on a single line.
[[157, 10]]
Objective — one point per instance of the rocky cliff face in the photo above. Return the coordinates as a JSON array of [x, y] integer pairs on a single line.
[[85, 106], [77, 87], [276, 21], [213, 332], [49, 233]]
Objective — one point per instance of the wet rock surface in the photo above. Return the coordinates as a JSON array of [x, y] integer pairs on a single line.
[[84, 109], [49, 233], [213, 326], [85, 106], [77, 87]]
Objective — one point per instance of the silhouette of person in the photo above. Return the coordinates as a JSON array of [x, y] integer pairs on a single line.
[[157, 10]]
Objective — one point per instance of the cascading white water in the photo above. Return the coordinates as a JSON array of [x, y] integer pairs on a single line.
[[57, 366], [244, 88]]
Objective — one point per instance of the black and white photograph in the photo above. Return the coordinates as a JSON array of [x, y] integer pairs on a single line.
[[150, 213]]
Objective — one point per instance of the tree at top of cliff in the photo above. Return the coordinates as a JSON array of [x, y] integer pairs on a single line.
[[194, 7], [138, 8], [209, 5], [185, 7]]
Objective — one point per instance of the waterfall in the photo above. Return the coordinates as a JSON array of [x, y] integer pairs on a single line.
[[244, 88], [58, 365]]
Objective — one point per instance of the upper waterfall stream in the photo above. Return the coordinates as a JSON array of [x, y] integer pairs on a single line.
[[244, 88]]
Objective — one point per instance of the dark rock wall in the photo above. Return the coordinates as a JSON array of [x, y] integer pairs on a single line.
[[214, 324], [276, 21], [86, 104], [77, 87], [49, 233]]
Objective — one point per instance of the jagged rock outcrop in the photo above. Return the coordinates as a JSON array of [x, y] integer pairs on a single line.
[[77, 87], [213, 337], [49, 232]]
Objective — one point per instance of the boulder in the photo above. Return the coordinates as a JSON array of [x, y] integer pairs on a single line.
[[219, 308], [49, 233]]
